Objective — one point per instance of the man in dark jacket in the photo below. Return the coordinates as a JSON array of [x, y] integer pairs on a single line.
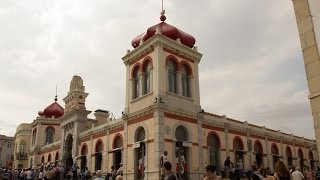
[[169, 174]]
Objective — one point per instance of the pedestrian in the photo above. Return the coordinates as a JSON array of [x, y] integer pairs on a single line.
[[163, 159], [309, 174], [170, 175], [210, 173], [98, 175], [227, 167], [296, 174], [281, 172]]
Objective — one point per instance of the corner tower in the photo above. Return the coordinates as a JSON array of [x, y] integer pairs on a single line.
[[162, 68]]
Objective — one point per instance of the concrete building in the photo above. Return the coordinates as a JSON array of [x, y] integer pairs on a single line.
[[6, 151], [162, 113]]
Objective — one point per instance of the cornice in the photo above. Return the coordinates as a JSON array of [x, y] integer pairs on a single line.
[[161, 40]]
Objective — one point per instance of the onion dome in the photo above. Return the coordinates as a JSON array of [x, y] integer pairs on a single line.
[[167, 30], [53, 110]]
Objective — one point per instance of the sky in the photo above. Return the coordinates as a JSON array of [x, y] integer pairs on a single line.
[[251, 70]]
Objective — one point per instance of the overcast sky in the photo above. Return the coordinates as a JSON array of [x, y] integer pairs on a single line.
[[251, 70]]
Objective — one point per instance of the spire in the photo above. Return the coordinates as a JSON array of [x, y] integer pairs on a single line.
[[162, 17]]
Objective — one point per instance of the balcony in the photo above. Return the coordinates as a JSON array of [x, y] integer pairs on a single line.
[[21, 156]]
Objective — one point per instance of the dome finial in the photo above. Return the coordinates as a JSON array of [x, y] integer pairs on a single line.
[[162, 17], [56, 97]]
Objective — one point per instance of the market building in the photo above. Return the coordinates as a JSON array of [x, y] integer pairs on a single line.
[[162, 113]]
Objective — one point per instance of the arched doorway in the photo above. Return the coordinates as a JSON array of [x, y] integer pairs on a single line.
[[312, 161], [140, 153], [275, 154], [57, 156], [238, 149], [117, 147], [83, 157], [98, 155], [49, 158], [182, 153], [289, 156], [301, 160], [68, 160], [258, 150], [213, 143]]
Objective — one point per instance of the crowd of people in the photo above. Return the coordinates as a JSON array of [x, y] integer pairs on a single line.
[[56, 171], [235, 171]]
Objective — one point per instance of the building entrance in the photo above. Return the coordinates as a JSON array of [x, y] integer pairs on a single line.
[[68, 160]]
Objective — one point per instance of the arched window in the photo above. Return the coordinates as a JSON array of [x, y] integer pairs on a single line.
[[181, 134], [310, 155], [259, 152], [185, 80], [84, 150], [117, 143], [237, 144], [42, 159], [300, 154], [49, 135], [34, 133], [274, 149], [213, 143], [289, 156], [49, 158], [172, 76], [146, 77], [135, 80], [57, 156], [141, 134]]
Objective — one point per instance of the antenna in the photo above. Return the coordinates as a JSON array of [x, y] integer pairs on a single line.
[[162, 6]]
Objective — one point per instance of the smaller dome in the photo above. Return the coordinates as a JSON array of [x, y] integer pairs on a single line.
[[53, 110]]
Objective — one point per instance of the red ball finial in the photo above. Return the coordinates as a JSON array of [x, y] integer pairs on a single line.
[[162, 17]]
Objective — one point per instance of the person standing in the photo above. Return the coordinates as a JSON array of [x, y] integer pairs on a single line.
[[170, 175], [309, 174], [163, 159], [296, 174], [227, 167], [281, 172], [210, 173]]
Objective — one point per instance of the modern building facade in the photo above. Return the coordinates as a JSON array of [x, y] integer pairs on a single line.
[[162, 113]]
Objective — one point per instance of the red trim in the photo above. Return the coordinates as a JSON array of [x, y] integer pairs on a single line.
[[99, 141], [145, 61], [98, 135], [84, 149], [274, 140], [189, 69], [150, 141], [205, 147], [116, 130], [142, 55], [49, 124], [237, 132], [195, 144], [114, 140], [129, 145], [84, 139], [241, 143], [257, 136], [206, 126], [181, 118], [299, 145], [213, 133], [288, 143], [259, 144], [137, 67], [176, 54], [140, 119], [168, 140]]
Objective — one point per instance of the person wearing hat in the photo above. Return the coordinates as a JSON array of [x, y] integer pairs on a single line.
[[98, 175]]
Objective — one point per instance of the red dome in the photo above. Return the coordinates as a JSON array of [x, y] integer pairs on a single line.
[[167, 30], [54, 110]]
